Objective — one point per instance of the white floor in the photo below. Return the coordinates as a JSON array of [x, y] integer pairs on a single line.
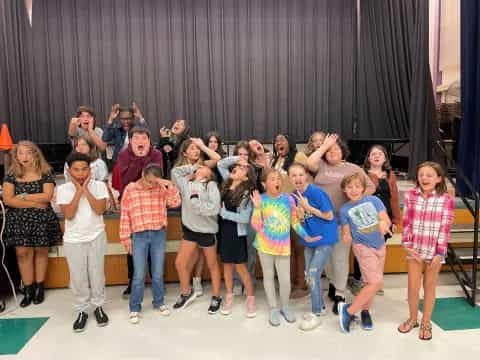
[[193, 334]]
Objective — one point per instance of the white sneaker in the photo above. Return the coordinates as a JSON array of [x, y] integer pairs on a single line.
[[163, 310], [322, 312], [197, 286], [134, 317], [310, 321]]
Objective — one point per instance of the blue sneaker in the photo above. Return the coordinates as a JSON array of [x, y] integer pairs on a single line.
[[365, 320], [344, 317]]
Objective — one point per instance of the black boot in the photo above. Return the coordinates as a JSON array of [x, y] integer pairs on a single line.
[[128, 290], [27, 296], [39, 294], [331, 292]]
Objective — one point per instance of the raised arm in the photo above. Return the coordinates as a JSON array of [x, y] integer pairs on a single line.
[[313, 161]]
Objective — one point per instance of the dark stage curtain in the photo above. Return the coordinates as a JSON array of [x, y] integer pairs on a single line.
[[469, 141], [395, 94], [247, 68]]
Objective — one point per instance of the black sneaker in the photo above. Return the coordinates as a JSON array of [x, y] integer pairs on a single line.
[[336, 300], [365, 320], [79, 324], [214, 305], [184, 299], [100, 316], [331, 292]]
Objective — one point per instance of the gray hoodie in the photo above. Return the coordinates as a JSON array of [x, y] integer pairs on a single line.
[[199, 213]]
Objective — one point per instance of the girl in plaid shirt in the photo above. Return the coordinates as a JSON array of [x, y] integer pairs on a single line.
[[427, 219]]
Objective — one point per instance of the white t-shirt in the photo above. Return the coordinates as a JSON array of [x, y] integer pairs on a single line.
[[86, 225], [98, 169]]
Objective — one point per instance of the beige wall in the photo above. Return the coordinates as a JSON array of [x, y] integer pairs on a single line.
[[449, 57]]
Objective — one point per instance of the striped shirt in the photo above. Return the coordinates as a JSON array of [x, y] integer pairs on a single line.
[[426, 223], [145, 209]]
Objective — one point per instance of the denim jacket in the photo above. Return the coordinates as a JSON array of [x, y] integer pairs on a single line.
[[244, 212]]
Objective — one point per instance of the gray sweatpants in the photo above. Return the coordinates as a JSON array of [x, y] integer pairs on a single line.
[[86, 265], [338, 265], [270, 263]]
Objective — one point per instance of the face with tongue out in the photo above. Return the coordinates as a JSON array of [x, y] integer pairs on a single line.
[[140, 144], [281, 145]]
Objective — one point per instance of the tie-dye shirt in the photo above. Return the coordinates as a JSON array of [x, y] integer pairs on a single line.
[[272, 223]]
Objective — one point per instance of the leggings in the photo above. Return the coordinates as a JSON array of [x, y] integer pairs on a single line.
[[281, 264]]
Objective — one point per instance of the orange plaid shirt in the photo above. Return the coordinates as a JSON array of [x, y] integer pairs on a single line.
[[145, 209]]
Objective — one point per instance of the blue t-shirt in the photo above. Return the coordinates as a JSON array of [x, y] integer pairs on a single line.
[[362, 216], [314, 225]]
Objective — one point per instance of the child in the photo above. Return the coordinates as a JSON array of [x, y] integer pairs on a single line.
[[364, 221], [194, 152], [319, 219], [31, 224], [82, 201], [83, 144], [235, 218], [427, 218], [378, 169], [273, 215], [170, 143], [143, 224], [200, 208]]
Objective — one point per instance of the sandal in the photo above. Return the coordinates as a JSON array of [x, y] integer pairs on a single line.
[[407, 326], [425, 328]]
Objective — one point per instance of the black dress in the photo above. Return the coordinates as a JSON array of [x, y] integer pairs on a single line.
[[232, 248], [31, 226]]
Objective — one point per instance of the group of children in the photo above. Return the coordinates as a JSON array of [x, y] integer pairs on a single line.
[[218, 219]]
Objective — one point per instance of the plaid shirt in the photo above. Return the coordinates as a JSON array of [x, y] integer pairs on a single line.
[[427, 222], [145, 209]]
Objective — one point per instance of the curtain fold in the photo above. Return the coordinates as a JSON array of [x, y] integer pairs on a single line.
[[395, 88], [469, 140], [247, 68]]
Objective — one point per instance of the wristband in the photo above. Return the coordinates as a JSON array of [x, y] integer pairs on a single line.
[[23, 195]]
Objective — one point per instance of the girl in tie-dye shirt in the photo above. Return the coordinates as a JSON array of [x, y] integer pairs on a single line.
[[274, 214]]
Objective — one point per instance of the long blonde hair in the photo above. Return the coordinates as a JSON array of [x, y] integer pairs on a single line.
[[39, 162]]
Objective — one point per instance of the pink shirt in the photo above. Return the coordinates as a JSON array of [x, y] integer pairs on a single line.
[[427, 222]]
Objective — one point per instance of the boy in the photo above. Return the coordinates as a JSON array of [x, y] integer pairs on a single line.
[[364, 220], [143, 224], [82, 202]]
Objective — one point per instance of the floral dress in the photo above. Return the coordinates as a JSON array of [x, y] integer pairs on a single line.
[[31, 226]]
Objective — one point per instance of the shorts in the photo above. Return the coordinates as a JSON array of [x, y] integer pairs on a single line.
[[371, 261], [202, 239]]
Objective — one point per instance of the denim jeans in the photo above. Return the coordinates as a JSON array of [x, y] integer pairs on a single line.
[[143, 243], [315, 260]]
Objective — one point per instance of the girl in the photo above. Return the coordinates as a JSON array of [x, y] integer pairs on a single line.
[[235, 218], [427, 218], [200, 208], [272, 217], [261, 159], [214, 142], [330, 167], [31, 224], [317, 211], [170, 143], [99, 171], [143, 224], [193, 151], [377, 166], [314, 142]]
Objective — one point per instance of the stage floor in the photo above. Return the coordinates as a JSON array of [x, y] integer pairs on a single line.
[[193, 334]]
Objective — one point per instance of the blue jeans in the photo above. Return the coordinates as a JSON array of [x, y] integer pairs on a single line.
[[315, 260], [153, 242]]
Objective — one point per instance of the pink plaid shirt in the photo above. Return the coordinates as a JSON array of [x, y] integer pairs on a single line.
[[145, 209], [427, 222]]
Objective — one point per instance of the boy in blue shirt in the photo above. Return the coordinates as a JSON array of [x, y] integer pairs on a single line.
[[364, 221]]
